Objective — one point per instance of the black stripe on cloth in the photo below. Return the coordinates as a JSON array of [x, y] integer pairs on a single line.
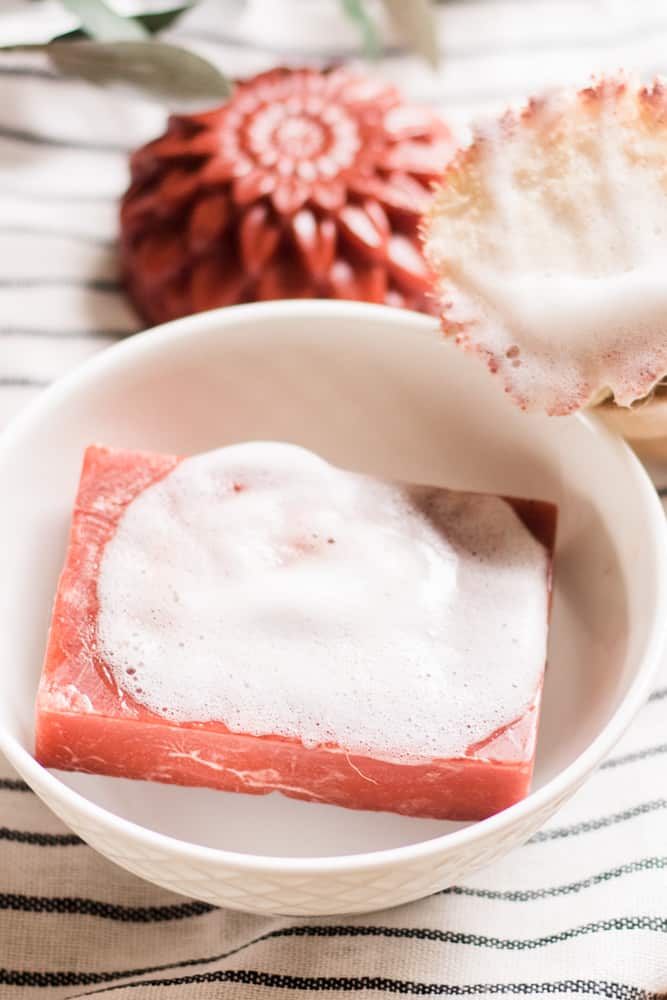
[[90, 284], [59, 234], [16, 977], [527, 895], [15, 331], [35, 138], [21, 382], [598, 824], [107, 911], [13, 784], [658, 695], [380, 984], [40, 839], [33, 71], [21, 977], [631, 758], [656, 924]]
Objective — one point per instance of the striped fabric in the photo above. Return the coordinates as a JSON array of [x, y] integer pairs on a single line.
[[579, 911]]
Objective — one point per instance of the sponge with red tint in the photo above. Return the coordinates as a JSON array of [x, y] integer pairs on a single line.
[[256, 620], [547, 238]]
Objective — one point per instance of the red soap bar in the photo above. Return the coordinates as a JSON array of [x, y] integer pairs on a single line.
[[85, 722]]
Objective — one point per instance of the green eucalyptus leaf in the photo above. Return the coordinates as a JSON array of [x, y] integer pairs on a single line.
[[103, 24], [75, 35], [159, 20], [417, 24], [357, 12], [154, 22], [164, 70]]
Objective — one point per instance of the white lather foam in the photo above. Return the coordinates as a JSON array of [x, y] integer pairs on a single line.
[[550, 245], [259, 586]]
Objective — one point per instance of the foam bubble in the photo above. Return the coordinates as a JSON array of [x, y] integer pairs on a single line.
[[261, 587], [550, 247]]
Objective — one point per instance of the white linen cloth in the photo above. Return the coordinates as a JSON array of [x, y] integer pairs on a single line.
[[579, 911]]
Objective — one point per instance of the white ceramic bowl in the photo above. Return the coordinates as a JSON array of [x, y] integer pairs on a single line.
[[373, 389]]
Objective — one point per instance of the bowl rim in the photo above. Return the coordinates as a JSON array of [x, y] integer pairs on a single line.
[[49, 786]]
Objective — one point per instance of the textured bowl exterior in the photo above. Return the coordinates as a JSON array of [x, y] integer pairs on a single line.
[[295, 891]]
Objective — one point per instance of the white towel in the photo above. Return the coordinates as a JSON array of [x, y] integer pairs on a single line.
[[582, 909]]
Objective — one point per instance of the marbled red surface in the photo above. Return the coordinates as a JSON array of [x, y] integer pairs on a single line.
[[86, 723]]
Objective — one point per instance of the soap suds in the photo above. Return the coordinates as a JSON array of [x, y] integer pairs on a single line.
[[261, 587], [549, 236]]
